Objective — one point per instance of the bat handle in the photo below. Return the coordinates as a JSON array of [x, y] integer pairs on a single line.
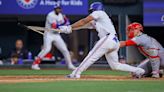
[[21, 25]]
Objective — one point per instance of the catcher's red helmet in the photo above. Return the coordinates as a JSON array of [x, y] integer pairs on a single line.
[[135, 25]]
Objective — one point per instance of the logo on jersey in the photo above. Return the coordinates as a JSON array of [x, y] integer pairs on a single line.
[[27, 4]]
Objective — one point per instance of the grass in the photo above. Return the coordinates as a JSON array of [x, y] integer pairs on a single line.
[[79, 85], [85, 86]]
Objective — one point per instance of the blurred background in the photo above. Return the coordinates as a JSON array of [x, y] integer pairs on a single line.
[[150, 13]]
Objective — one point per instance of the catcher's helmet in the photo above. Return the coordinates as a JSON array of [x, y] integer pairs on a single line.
[[96, 6], [135, 25]]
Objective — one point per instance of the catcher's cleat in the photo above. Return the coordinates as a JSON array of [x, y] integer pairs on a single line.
[[155, 74], [161, 73]]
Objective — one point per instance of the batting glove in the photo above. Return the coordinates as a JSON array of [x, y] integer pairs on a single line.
[[65, 29]]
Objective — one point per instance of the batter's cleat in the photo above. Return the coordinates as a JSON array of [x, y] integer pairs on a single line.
[[35, 67], [71, 67], [71, 76], [138, 74], [161, 73], [155, 74]]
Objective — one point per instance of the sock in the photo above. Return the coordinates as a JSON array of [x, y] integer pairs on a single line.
[[37, 61], [155, 66]]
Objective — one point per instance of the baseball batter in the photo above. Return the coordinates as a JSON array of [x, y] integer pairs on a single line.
[[107, 45], [54, 19], [148, 46]]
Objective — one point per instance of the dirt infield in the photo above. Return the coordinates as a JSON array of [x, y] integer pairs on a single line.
[[20, 79]]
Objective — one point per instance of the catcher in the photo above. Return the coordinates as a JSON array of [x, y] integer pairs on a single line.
[[148, 46]]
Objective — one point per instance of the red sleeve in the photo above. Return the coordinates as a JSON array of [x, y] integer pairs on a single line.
[[130, 43], [53, 25]]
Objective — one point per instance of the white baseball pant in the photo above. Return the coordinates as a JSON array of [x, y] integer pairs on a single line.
[[55, 39], [107, 46]]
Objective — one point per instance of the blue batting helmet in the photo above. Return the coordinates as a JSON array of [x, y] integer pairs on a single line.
[[96, 6], [57, 6]]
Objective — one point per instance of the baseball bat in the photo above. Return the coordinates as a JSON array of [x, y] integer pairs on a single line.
[[44, 29], [39, 28], [31, 28]]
